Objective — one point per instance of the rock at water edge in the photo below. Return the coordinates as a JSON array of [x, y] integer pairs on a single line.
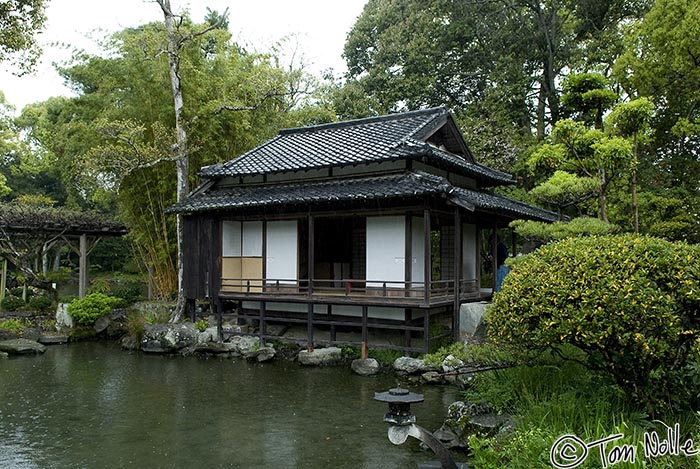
[[168, 338], [21, 347], [366, 367], [321, 356]]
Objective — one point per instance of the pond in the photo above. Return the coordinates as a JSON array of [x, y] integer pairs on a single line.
[[93, 405]]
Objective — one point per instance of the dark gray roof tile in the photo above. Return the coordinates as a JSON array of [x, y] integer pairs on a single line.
[[360, 141], [394, 186]]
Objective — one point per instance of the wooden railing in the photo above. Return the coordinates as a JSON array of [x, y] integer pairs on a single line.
[[387, 290]]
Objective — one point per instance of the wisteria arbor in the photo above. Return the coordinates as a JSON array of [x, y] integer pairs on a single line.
[[28, 233]]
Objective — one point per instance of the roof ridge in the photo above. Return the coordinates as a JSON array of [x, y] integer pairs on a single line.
[[365, 120]]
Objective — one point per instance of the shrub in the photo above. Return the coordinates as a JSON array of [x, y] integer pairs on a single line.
[[12, 303], [629, 303], [92, 307], [40, 303], [129, 291]]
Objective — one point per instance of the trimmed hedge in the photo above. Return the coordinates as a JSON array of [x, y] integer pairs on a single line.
[[630, 303]]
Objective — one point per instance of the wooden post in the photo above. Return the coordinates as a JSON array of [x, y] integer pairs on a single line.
[[407, 333], [263, 324], [3, 279], [311, 255], [494, 255], [83, 266], [426, 331], [427, 259], [457, 275], [408, 254], [216, 309], [310, 328], [330, 317], [363, 351]]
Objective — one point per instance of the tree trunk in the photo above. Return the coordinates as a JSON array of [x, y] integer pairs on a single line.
[[180, 147]]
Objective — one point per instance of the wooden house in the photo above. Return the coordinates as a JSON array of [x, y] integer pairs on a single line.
[[368, 224]]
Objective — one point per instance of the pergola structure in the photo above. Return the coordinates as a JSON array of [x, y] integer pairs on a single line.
[[27, 233]]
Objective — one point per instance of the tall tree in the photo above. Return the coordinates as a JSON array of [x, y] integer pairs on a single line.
[[20, 21], [499, 60], [176, 40]]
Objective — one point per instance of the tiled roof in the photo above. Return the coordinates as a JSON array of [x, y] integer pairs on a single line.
[[377, 139], [394, 186]]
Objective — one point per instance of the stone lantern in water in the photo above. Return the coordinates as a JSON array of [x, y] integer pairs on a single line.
[[402, 424]]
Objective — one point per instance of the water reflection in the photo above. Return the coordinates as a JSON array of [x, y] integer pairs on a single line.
[[92, 405]]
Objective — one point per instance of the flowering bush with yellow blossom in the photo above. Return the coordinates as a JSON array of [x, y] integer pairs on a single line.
[[629, 303]]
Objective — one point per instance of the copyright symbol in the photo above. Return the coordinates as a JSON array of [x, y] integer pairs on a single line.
[[567, 452]]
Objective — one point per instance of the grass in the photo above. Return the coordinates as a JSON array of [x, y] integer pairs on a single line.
[[556, 398]]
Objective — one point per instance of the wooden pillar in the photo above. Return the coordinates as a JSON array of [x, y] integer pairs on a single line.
[[191, 305], [457, 274], [407, 333], [408, 254], [263, 324], [426, 330], [310, 328], [217, 310], [311, 254], [3, 279], [427, 261], [330, 317], [363, 354], [264, 256], [479, 260], [494, 255], [83, 266]]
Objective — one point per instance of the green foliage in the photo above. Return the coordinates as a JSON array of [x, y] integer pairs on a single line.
[[12, 303], [40, 303], [550, 398], [628, 303], [470, 353], [587, 95], [580, 226], [14, 326], [564, 189], [21, 20], [201, 325], [92, 307]]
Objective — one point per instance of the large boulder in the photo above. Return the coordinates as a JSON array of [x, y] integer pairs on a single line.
[[321, 356], [245, 345], [168, 338], [411, 366], [21, 347], [365, 367], [63, 319], [471, 320]]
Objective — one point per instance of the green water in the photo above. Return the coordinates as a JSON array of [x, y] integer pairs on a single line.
[[93, 405]]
